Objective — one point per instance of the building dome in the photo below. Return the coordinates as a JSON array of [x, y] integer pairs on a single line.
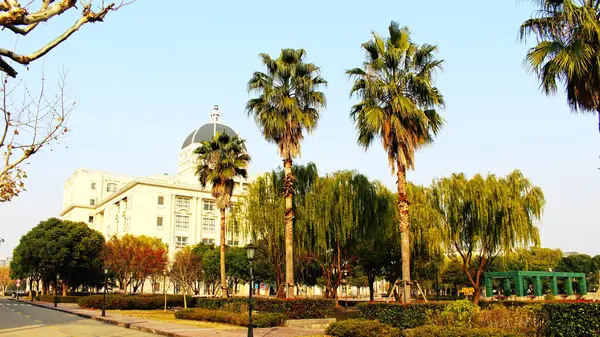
[[209, 130]]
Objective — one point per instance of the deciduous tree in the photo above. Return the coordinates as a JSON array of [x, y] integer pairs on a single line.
[[184, 270], [5, 280], [21, 19]]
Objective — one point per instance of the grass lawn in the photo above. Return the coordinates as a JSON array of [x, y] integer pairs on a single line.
[[169, 316]]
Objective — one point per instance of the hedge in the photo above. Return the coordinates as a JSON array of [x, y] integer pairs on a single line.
[[295, 308], [132, 302], [570, 319], [259, 320], [448, 331], [403, 316], [361, 328], [60, 299]]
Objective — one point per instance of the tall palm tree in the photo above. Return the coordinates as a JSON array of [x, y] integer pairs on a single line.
[[288, 104], [567, 50], [397, 103], [220, 161]]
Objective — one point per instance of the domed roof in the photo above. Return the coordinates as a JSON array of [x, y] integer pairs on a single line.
[[209, 130]]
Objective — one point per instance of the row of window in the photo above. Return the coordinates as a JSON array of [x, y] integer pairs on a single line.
[[185, 202], [183, 222], [182, 241], [110, 187]]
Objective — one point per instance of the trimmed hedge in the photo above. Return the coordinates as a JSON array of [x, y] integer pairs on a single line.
[[570, 319], [60, 299], [134, 302], [403, 316], [295, 308], [448, 331], [361, 328], [259, 320]]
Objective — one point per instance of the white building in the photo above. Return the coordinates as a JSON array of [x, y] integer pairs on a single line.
[[175, 208], [4, 262]]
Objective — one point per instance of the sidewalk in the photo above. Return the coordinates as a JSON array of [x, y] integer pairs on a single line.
[[170, 329]]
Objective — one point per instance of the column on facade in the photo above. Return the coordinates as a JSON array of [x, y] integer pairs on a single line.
[[506, 286], [554, 285], [519, 285], [489, 291], [537, 286], [582, 285], [569, 286]]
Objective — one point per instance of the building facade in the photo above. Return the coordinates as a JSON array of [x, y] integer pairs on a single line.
[[4, 262], [173, 208]]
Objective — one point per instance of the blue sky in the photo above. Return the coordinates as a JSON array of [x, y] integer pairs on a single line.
[[149, 74]]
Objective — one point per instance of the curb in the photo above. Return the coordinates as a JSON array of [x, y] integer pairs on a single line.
[[103, 319]]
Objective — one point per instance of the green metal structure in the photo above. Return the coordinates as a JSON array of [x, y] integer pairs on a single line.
[[520, 279]]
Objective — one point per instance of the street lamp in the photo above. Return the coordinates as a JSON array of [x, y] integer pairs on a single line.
[[56, 290], [250, 250], [165, 288], [346, 284], [105, 286]]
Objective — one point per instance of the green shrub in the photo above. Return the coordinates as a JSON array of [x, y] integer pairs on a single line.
[[361, 328], [522, 320], [507, 304], [459, 313], [133, 302], [403, 316], [259, 320], [295, 308], [61, 299], [570, 319], [448, 331]]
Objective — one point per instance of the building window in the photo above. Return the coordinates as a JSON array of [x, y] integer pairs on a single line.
[[208, 224], [181, 241], [91, 219], [182, 222], [159, 221], [127, 225], [93, 187], [111, 187], [208, 241], [161, 201], [209, 205], [92, 202], [183, 202], [233, 242]]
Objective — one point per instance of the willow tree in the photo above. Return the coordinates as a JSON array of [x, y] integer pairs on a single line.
[[397, 103], [567, 52], [485, 216], [220, 161], [288, 105], [260, 214]]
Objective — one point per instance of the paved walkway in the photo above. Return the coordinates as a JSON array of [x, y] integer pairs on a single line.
[[170, 329]]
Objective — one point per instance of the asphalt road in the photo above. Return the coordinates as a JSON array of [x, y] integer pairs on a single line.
[[24, 320]]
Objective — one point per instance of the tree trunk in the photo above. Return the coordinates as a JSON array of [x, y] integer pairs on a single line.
[[64, 288], [404, 230], [223, 275], [289, 227], [371, 288]]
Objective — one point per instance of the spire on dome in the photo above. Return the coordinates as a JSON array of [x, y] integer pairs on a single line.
[[215, 114]]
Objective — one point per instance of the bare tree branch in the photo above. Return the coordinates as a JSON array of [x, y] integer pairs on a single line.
[[13, 15], [28, 125]]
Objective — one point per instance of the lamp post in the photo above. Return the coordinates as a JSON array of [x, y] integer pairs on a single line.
[[346, 284], [105, 286], [165, 288], [56, 291], [250, 250]]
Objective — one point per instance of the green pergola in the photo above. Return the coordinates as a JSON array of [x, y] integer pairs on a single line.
[[520, 278]]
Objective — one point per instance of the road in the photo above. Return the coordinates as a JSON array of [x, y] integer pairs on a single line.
[[25, 320]]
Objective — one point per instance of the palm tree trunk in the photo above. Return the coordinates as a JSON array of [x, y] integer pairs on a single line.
[[289, 227], [404, 230], [223, 276]]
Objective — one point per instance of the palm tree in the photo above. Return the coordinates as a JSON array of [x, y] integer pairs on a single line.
[[397, 102], [220, 161], [288, 104], [567, 50]]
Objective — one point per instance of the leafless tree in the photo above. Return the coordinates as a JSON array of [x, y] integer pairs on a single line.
[[22, 19], [32, 120]]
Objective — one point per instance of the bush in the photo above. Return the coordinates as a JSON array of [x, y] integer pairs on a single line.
[[61, 299], [259, 320], [361, 328], [459, 313], [570, 319], [522, 320], [133, 302], [403, 316], [447, 331], [295, 308]]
